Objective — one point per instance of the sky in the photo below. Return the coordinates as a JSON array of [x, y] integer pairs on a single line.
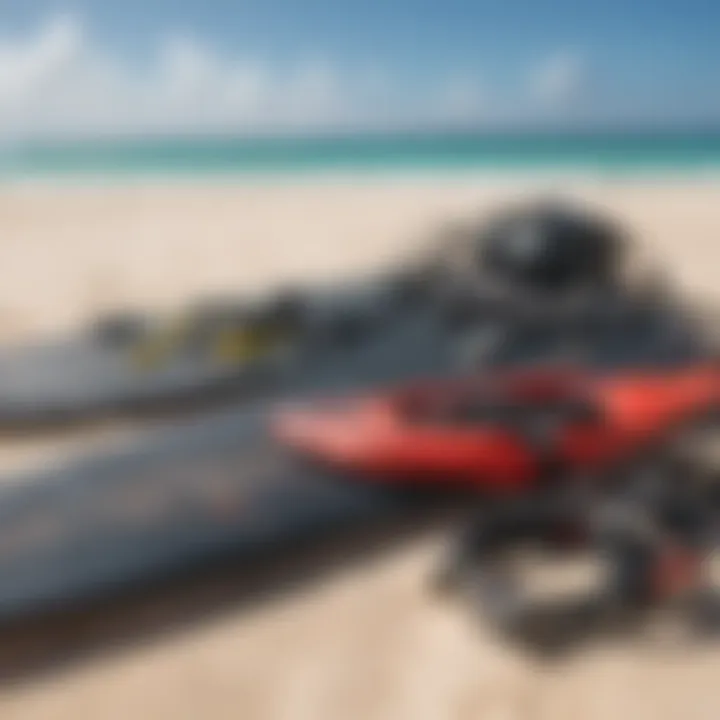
[[75, 68]]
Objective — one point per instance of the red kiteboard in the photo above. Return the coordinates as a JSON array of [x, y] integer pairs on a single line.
[[498, 432]]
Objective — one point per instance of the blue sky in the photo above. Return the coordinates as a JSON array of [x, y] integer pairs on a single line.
[[368, 62]]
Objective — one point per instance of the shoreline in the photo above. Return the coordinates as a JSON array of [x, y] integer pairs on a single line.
[[400, 175]]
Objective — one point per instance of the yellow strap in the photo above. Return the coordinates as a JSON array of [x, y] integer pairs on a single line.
[[238, 346], [154, 352], [230, 346]]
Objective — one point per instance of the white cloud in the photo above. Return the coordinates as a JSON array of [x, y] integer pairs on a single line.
[[29, 68], [57, 81], [559, 79]]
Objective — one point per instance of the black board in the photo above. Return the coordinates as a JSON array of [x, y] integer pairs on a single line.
[[83, 378], [218, 485], [209, 487]]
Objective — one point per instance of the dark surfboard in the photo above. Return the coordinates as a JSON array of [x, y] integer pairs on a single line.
[[84, 379], [211, 488], [218, 486], [88, 378]]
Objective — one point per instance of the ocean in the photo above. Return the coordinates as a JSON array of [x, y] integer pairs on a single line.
[[606, 153]]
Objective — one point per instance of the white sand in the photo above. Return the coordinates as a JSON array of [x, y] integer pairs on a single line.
[[370, 643]]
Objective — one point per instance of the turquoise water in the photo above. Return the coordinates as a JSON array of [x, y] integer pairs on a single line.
[[607, 152]]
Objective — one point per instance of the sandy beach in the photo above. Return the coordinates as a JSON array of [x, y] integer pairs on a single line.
[[368, 643]]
